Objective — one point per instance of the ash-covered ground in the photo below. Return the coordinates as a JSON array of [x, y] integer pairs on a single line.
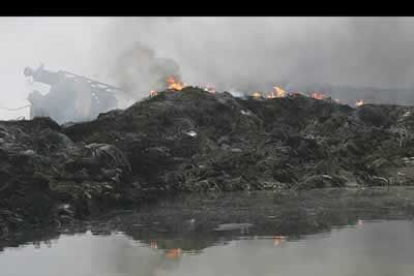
[[196, 141]]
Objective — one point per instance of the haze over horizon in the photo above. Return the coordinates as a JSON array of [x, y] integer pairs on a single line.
[[234, 53]]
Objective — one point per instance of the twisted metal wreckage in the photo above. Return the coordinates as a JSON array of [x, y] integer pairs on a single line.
[[71, 97]]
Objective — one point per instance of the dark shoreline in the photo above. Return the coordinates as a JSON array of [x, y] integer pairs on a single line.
[[180, 221]]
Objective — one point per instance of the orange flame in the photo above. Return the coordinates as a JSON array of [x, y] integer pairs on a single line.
[[175, 84], [153, 93], [359, 102], [257, 94], [318, 95], [279, 92], [173, 253], [278, 240]]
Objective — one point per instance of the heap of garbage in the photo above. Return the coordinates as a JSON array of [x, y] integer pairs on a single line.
[[195, 141]]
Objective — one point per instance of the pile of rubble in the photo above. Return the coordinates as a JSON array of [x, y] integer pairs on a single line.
[[45, 177], [193, 140], [197, 141]]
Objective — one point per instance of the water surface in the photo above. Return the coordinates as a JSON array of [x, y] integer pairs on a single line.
[[325, 232]]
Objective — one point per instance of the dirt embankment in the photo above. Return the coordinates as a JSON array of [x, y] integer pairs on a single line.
[[196, 141]]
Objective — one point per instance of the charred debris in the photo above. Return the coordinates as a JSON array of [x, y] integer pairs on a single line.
[[195, 141]]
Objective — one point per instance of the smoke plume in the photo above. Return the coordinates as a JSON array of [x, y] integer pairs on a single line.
[[139, 69], [248, 53]]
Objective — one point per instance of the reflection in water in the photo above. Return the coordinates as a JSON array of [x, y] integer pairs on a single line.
[[378, 249], [153, 245], [278, 240], [173, 253], [325, 232]]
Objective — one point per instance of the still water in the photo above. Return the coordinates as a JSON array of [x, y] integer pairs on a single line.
[[325, 232]]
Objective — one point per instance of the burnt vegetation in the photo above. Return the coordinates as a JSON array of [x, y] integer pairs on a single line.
[[196, 141]]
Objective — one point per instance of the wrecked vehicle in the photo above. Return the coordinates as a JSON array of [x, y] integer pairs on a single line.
[[72, 98]]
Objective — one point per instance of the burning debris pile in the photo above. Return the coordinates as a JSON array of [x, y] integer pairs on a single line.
[[197, 141], [192, 139]]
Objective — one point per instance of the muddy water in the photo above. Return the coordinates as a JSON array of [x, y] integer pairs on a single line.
[[324, 232]]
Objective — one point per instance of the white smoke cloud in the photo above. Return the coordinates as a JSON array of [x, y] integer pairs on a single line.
[[139, 69], [61, 43], [249, 53], [239, 53]]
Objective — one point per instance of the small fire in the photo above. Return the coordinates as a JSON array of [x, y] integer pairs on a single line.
[[257, 95], [359, 102], [277, 93], [173, 253], [175, 84], [318, 95]]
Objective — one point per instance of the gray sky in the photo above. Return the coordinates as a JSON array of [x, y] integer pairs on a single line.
[[231, 53]]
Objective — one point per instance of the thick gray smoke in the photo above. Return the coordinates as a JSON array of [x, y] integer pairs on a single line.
[[342, 56], [139, 69], [249, 53]]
